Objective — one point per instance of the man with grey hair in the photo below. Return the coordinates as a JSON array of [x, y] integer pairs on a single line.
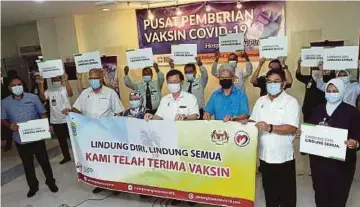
[[97, 101], [228, 103]]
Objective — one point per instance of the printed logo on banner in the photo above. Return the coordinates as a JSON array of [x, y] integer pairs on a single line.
[[130, 187], [220, 137], [73, 128], [84, 169], [191, 196], [242, 138]]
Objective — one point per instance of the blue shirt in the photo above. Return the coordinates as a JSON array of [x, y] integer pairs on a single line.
[[29, 107], [235, 104]]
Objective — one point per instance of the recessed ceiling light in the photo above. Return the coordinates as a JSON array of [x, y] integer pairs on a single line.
[[105, 9], [39, 1]]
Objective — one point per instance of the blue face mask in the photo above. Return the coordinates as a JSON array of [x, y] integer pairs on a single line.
[[273, 88], [332, 97], [17, 90], [94, 83], [134, 104], [147, 78]]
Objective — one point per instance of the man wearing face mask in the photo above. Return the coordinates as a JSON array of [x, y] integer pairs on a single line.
[[149, 89], [58, 97], [22, 107], [239, 73], [277, 119], [352, 90], [313, 96], [228, 103], [179, 105], [97, 101], [196, 85], [260, 81]]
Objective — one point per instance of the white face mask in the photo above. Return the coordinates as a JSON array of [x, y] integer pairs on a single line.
[[233, 63], [174, 87], [134, 104], [346, 79], [56, 84], [189, 76]]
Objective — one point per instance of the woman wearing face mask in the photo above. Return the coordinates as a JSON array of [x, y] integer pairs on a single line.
[[332, 178], [352, 90], [137, 108], [58, 97]]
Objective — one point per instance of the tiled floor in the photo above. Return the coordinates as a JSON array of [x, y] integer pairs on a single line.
[[72, 193]]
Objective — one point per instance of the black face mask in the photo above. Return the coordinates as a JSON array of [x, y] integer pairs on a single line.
[[226, 83]]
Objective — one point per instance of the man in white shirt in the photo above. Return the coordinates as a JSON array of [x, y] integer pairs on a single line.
[[195, 85], [58, 96], [277, 119], [178, 105], [97, 101], [149, 89]]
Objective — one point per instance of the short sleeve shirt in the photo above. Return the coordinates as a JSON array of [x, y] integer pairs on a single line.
[[28, 108], [235, 104], [106, 103], [58, 101], [283, 110], [186, 104]]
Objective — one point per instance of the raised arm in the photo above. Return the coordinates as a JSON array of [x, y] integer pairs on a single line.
[[298, 74], [127, 79], [204, 74], [160, 75], [288, 76], [41, 90], [255, 76], [80, 84], [215, 64], [249, 66], [67, 85]]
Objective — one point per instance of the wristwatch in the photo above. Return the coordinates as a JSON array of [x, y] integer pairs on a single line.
[[285, 67], [271, 128]]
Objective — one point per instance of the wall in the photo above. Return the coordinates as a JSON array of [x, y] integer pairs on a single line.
[[12, 38], [113, 32]]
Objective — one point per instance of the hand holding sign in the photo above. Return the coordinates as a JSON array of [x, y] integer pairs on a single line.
[[184, 54], [231, 42], [341, 58], [51, 68], [86, 61], [140, 58], [273, 47]]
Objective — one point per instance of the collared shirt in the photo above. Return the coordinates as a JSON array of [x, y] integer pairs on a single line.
[[29, 107], [283, 110], [155, 89], [241, 74], [185, 104], [234, 104], [58, 101], [106, 103], [352, 91], [198, 86]]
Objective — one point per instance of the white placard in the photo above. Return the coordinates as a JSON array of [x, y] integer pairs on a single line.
[[86, 61], [184, 53], [341, 58], [140, 58], [34, 130], [274, 47], [231, 42], [310, 57], [323, 141], [51, 68]]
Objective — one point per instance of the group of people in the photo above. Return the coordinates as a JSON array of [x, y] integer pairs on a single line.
[[328, 101]]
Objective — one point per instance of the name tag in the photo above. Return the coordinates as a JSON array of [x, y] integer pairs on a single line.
[[28, 102], [196, 86], [183, 107]]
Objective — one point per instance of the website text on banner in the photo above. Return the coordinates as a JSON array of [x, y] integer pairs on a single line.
[[203, 23], [180, 160]]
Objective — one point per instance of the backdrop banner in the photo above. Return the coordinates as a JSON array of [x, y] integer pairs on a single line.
[[202, 23], [208, 162]]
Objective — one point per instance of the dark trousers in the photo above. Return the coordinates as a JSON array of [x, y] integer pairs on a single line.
[[201, 114], [6, 134], [27, 153], [279, 183], [331, 181], [62, 133]]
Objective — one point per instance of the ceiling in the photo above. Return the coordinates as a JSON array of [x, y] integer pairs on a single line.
[[20, 12]]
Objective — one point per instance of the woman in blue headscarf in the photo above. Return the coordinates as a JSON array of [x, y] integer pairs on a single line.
[[137, 108], [331, 178]]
